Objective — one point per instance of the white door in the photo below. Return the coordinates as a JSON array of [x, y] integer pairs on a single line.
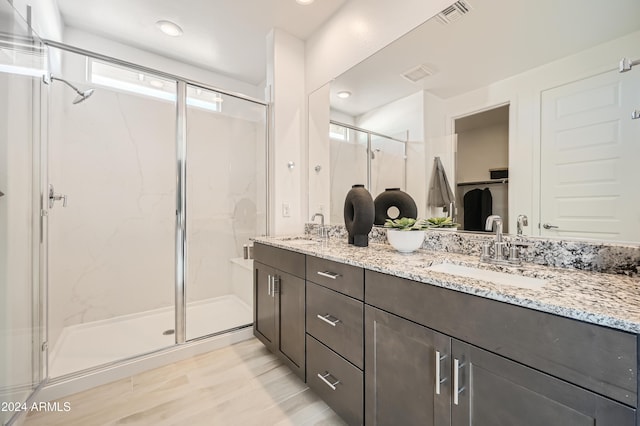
[[590, 158]]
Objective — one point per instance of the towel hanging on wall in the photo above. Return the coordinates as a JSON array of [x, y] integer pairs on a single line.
[[440, 193]]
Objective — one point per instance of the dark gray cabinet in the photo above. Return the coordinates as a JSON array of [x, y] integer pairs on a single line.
[[417, 376], [494, 391], [279, 297], [503, 364], [407, 372], [264, 309]]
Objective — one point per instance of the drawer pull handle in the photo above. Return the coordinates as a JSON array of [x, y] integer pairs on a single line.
[[328, 274], [327, 318], [328, 383], [439, 381]]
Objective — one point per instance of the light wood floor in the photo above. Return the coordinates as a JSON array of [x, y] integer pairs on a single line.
[[242, 384]]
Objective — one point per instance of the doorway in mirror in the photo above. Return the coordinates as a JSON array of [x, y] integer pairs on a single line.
[[482, 167]]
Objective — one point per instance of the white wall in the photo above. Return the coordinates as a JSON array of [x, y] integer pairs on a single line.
[[319, 154], [480, 150], [285, 83]]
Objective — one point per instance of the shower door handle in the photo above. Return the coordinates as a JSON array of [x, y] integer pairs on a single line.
[[53, 197]]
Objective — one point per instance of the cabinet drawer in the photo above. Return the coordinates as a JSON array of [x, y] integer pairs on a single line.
[[594, 357], [284, 260], [336, 381], [340, 277], [337, 321]]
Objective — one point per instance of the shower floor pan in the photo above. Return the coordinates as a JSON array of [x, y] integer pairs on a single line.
[[96, 343]]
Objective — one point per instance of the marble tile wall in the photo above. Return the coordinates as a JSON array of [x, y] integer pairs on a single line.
[[582, 255]]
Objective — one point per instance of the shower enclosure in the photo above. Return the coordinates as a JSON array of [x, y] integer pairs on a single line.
[[164, 181], [123, 215]]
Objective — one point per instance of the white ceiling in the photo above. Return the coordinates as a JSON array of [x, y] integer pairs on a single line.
[[497, 39], [224, 36]]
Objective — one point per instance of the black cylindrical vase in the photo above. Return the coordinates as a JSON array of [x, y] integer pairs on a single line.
[[358, 215], [394, 197]]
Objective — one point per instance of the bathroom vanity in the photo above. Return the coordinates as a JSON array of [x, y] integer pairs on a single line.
[[385, 339]]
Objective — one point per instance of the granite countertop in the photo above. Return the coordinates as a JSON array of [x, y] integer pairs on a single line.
[[604, 299]]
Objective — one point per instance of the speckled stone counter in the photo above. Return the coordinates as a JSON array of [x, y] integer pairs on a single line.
[[598, 298]]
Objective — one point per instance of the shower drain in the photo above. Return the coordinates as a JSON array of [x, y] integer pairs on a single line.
[[168, 332]]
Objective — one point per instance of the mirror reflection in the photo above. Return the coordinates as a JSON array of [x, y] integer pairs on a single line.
[[521, 99]]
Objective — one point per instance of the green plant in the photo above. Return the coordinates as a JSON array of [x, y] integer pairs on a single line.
[[441, 222], [406, 224]]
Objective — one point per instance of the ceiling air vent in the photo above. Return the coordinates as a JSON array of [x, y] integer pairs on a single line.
[[454, 12], [417, 73]]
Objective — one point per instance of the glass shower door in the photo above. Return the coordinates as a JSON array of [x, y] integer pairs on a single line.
[[22, 63], [112, 166], [226, 205]]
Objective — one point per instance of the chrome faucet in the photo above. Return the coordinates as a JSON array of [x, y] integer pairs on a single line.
[[522, 221], [488, 226], [495, 254], [501, 252], [322, 231]]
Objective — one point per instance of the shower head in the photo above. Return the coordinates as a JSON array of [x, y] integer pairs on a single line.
[[81, 95]]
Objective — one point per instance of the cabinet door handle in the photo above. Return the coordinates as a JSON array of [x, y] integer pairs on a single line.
[[327, 318], [327, 382], [328, 274], [269, 285], [439, 381], [276, 286], [456, 381]]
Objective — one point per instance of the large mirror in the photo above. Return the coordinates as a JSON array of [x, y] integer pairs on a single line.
[[523, 101]]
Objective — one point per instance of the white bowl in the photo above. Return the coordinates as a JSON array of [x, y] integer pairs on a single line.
[[405, 241]]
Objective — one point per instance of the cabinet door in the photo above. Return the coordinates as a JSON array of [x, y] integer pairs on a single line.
[[402, 371], [264, 315], [290, 299], [494, 391]]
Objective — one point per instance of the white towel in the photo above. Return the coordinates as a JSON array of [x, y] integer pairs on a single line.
[[440, 193]]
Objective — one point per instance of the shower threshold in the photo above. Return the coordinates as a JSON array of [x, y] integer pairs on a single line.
[[89, 345]]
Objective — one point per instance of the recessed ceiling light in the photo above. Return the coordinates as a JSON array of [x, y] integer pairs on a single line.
[[304, 2], [344, 94], [169, 28]]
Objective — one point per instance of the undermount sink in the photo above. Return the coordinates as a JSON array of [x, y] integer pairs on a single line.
[[495, 277]]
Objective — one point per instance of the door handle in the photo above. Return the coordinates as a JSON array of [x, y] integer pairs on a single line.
[[439, 381], [456, 381], [549, 226], [53, 197], [269, 284]]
